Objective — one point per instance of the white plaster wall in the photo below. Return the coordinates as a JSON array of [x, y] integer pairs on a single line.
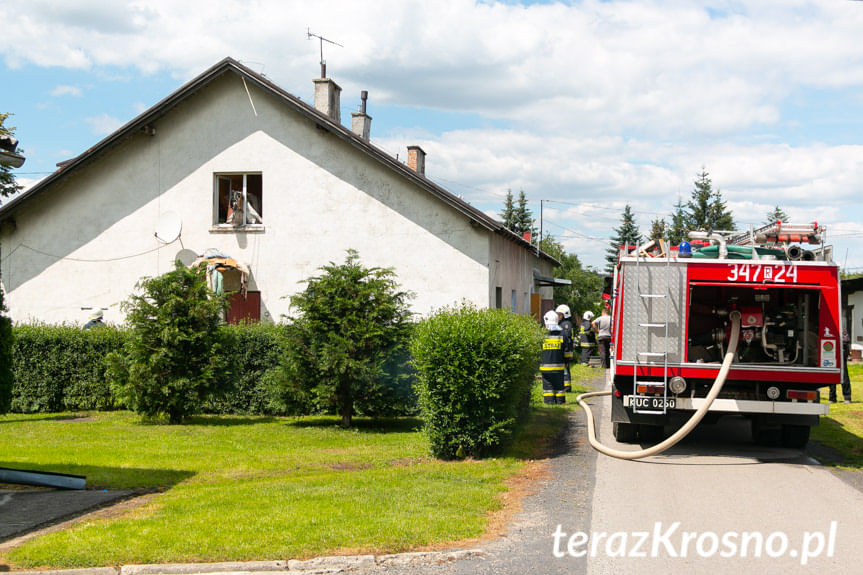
[[856, 331], [320, 197]]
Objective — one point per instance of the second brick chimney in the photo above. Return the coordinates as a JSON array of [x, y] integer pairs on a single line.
[[417, 160], [360, 121]]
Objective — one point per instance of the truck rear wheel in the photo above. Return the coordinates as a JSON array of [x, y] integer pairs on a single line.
[[795, 436], [625, 432]]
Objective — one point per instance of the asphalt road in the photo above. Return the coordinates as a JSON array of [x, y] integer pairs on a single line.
[[715, 490]]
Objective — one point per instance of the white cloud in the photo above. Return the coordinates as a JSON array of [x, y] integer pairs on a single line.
[[593, 103], [64, 90], [103, 124]]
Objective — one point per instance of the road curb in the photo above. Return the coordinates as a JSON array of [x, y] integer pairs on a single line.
[[317, 566]]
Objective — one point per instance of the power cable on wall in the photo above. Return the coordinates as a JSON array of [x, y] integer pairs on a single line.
[[87, 260]]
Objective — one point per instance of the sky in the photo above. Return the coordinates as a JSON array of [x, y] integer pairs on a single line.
[[585, 105]]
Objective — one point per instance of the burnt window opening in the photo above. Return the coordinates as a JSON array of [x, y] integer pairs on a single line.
[[239, 199]]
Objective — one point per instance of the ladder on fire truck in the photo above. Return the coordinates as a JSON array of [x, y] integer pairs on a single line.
[[650, 357]]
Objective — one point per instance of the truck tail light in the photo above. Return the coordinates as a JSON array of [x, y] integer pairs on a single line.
[[643, 389], [802, 395]]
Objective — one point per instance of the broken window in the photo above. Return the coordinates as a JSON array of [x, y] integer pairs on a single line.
[[239, 199]]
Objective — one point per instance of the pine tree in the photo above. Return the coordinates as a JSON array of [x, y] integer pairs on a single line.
[[706, 209], [508, 213], [658, 229], [523, 218], [677, 232], [777, 214], [626, 235]]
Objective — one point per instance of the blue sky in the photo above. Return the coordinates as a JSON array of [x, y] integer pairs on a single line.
[[590, 105]]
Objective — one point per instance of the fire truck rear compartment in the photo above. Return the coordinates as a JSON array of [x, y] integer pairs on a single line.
[[779, 325]]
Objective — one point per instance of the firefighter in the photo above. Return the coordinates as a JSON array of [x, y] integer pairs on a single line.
[[586, 337], [565, 323], [602, 325], [552, 365]]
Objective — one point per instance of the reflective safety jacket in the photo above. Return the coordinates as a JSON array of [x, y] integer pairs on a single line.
[[586, 337], [552, 352], [566, 331]]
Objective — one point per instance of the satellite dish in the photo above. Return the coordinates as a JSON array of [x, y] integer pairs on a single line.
[[186, 257], [168, 227]]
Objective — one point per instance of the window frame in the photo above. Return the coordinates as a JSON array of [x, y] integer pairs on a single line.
[[245, 225]]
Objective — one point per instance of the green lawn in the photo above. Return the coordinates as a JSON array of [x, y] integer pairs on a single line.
[[244, 488], [843, 428]]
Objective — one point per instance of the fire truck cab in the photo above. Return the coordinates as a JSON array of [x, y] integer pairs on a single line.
[[670, 312]]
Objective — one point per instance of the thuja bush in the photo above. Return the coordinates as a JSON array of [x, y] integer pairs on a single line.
[[475, 370], [6, 339], [346, 349], [172, 359]]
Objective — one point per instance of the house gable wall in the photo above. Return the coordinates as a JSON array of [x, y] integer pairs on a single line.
[[321, 197]]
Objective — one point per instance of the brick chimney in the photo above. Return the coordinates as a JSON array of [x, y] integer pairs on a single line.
[[327, 96], [417, 160], [360, 121]]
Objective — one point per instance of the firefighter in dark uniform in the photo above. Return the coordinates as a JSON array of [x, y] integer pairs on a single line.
[[552, 365], [586, 337], [565, 323]]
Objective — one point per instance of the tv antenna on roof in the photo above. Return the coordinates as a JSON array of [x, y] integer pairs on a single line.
[[309, 36]]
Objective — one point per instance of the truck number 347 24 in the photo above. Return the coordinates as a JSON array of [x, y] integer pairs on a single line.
[[762, 273]]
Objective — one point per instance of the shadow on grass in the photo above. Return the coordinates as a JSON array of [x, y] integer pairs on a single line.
[[838, 445], [362, 424], [227, 420], [26, 418], [103, 477]]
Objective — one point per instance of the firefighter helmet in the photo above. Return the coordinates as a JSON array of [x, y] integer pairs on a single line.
[[563, 310], [550, 319], [588, 315]]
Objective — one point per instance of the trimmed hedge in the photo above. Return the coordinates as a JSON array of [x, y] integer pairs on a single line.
[[60, 368], [254, 350], [476, 369]]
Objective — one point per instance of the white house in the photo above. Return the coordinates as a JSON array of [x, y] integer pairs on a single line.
[[239, 166]]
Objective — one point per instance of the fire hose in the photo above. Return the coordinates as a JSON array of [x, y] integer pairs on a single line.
[[690, 423]]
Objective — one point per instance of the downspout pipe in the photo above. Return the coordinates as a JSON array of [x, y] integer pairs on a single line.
[[713, 237]]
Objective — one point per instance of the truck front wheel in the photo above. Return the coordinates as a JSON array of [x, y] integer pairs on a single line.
[[795, 436], [625, 432]]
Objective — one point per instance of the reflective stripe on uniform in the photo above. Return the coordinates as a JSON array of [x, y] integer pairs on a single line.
[[552, 367], [548, 394]]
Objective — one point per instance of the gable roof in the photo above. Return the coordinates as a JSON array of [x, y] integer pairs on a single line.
[[230, 65]]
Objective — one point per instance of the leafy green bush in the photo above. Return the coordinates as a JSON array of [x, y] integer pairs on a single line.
[[62, 367], [351, 329], [172, 359], [475, 372], [6, 339]]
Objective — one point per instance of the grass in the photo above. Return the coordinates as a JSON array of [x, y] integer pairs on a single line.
[[246, 488], [842, 430]]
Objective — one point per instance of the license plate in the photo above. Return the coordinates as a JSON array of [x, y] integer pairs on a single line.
[[652, 403]]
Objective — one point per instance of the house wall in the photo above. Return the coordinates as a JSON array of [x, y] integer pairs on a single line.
[[856, 327], [511, 268], [86, 241]]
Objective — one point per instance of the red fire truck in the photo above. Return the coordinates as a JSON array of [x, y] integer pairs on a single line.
[[671, 323]]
